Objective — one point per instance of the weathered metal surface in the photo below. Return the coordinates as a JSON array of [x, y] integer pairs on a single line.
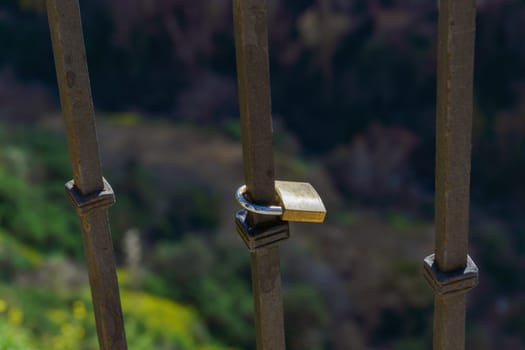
[[300, 201], [75, 93], [449, 322], [86, 203], [251, 45], [450, 290], [450, 274], [267, 295], [100, 261], [88, 192], [256, 237], [448, 283], [453, 131]]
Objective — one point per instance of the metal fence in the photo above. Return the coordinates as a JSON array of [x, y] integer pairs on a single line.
[[263, 223]]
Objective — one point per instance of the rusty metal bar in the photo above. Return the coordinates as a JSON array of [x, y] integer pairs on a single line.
[[450, 271], [453, 131], [449, 322], [266, 282], [251, 43], [75, 93], [88, 191]]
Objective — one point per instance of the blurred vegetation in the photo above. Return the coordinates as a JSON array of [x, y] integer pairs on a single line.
[[353, 113], [40, 237], [42, 319], [368, 84], [185, 287]]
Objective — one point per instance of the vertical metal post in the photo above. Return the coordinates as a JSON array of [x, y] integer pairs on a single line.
[[251, 43], [267, 296], [450, 271], [453, 130], [89, 192]]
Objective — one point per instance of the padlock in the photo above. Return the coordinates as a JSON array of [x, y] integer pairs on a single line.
[[299, 202]]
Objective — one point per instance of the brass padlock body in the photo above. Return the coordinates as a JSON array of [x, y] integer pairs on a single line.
[[300, 202]]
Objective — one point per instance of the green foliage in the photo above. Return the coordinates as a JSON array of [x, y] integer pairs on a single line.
[[344, 217], [33, 5], [227, 308], [15, 256], [403, 223], [64, 322], [124, 119], [14, 338], [194, 208], [211, 277], [136, 200], [168, 325], [33, 207], [37, 221], [232, 128], [54, 323], [412, 344], [306, 312]]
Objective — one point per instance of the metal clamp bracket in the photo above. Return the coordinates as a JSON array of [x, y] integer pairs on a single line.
[[260, 236], [451, 283], [83, 204]]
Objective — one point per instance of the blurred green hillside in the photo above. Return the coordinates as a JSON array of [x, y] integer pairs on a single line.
[[184, 275]]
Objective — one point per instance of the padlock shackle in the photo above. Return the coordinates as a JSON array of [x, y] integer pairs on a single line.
[[274, 210]]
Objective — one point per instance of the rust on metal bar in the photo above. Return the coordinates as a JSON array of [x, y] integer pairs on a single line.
[[89, 193], [450, 271], [251, 44], [75, 93], [267, 296], [450, 290], [453, 131], [449, 322]]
